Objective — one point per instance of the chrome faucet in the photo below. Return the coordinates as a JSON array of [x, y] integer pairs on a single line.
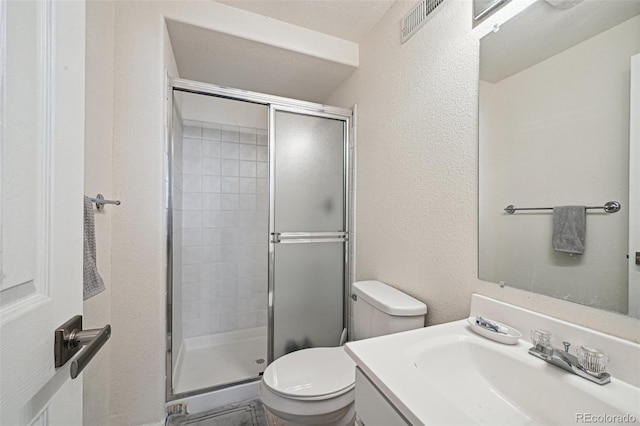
[[563, 359]]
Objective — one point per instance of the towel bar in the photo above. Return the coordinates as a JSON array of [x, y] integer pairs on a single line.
[[609, 207], [100, 202]]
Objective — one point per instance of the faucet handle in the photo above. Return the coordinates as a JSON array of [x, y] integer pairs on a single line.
[[541, 340], [566, 346], [593, 360], [540, 337]]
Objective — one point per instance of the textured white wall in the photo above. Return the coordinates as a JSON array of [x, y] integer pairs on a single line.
[[416, 157], [142, 58], [558, 126], [417, 170], [98, 165]]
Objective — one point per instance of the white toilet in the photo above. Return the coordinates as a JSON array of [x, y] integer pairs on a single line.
[[317, 386]]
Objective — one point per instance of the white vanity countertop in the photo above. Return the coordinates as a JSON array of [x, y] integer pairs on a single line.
[[447, 374]]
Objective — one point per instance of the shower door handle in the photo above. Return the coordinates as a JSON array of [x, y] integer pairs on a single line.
[[308, 237]]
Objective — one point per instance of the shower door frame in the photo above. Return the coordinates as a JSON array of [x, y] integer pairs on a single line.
[[274, 103]]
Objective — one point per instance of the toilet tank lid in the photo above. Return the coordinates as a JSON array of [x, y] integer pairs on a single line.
[[388, 299]]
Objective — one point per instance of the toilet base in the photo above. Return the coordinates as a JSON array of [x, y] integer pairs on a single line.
[[345, 417], [336, 411]]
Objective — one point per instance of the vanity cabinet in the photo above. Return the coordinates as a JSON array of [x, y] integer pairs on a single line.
[[373, 408]]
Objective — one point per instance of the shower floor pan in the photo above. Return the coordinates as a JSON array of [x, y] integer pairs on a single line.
[[218, 359]]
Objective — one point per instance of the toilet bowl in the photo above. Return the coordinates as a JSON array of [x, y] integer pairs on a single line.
[[301, 389], [316, 386]]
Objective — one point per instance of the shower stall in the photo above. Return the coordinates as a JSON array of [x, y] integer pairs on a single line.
[[258, 226]]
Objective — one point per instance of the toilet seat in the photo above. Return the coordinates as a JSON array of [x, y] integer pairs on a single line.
[[302, 374]]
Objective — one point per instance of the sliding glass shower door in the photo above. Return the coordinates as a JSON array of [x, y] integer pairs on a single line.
[[308, 229]]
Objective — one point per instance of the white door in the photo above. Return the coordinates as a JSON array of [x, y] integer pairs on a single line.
[[41, 205], [634, 189]]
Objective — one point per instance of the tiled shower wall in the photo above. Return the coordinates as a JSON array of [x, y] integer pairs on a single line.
[[225, 228]]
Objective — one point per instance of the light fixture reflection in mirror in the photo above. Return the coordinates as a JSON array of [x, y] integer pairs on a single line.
[[563, 4], [483, 8], [554, 130]]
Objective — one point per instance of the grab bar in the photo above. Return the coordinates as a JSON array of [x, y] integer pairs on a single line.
[[609, 207]]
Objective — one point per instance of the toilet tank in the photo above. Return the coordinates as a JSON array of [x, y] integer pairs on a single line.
[[380, 309]]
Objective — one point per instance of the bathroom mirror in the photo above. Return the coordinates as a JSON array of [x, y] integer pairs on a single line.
[[554, 121]]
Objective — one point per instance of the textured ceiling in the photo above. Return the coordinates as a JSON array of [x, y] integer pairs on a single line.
[[541, 31], [346, 19], [217, 58]]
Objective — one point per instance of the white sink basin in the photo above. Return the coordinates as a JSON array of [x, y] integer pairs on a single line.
[[448, 375], [492, 385]]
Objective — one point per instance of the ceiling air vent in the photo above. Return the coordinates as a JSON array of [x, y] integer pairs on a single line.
[[418, 16]]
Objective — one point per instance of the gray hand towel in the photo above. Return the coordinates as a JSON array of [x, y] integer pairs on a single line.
[[569, 228], [93, 283]]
